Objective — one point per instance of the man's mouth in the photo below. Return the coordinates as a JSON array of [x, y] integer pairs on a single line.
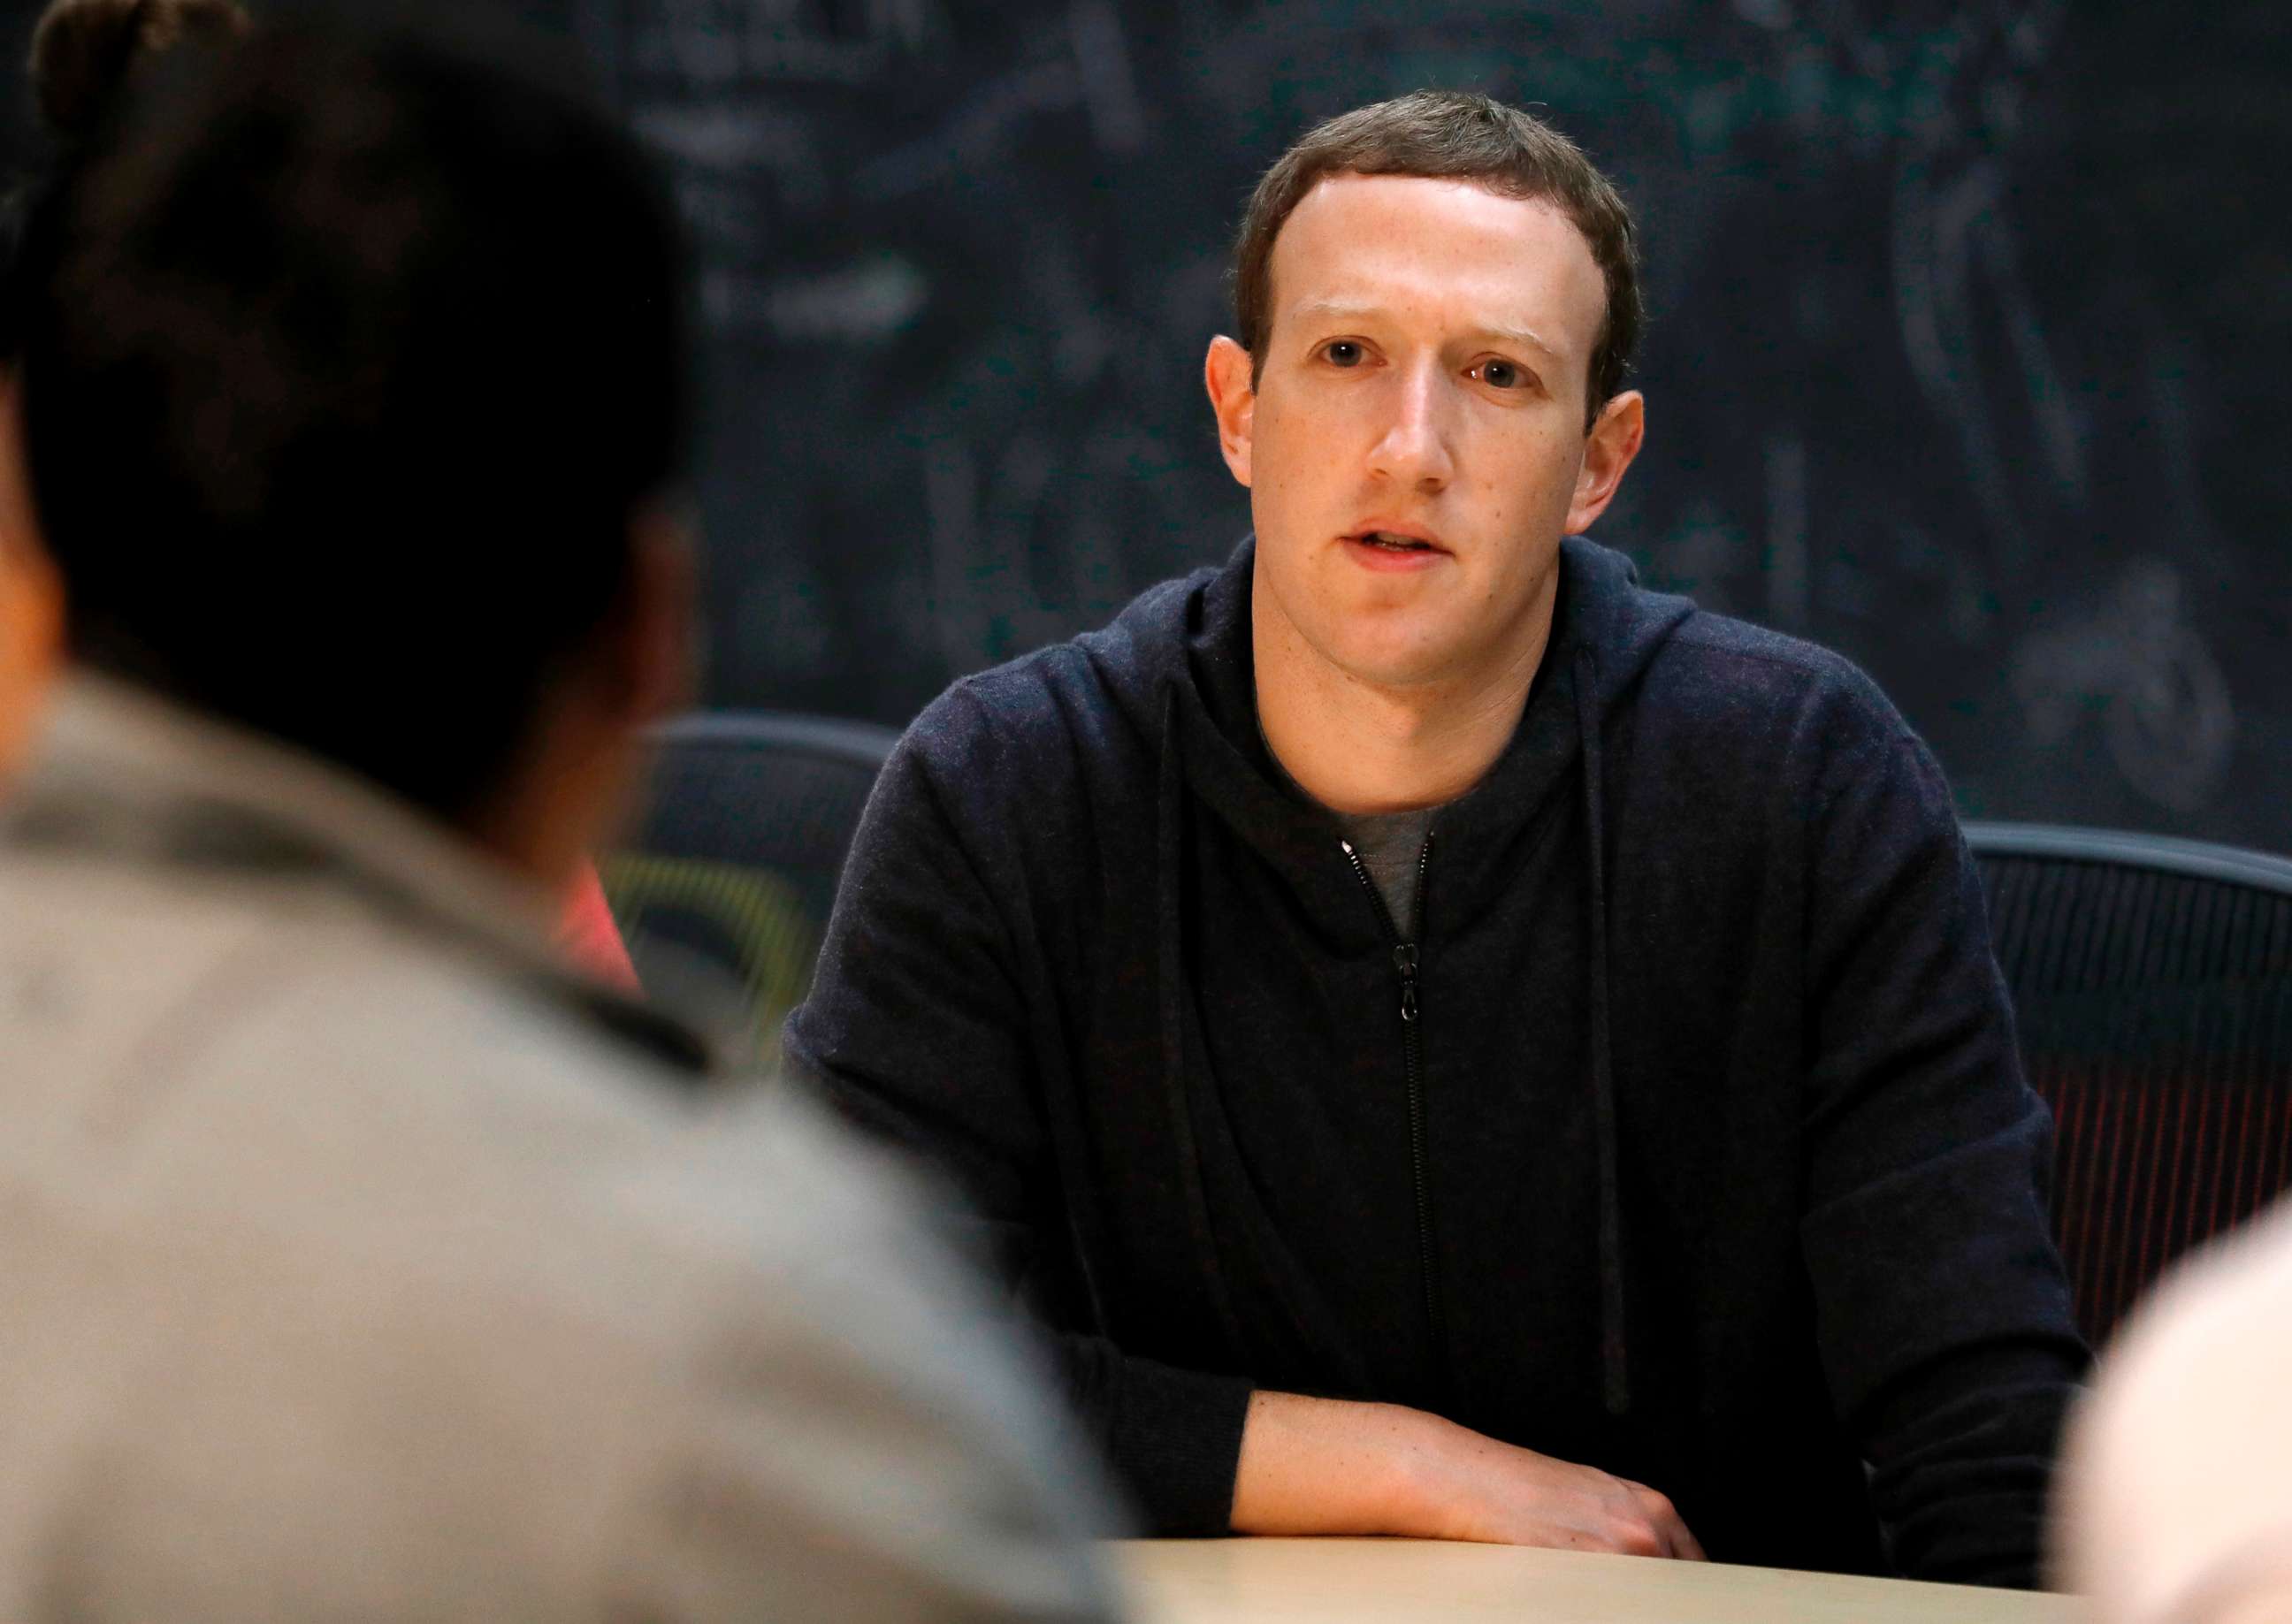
[[1387, 541]]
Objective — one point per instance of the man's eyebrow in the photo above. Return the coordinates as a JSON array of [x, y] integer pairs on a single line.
[[1354, 310], [1525, 337]]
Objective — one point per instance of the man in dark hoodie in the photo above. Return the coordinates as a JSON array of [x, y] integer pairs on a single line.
[[1415, 967]]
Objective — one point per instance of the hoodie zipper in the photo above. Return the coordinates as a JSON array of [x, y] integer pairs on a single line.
[[1404, 964]]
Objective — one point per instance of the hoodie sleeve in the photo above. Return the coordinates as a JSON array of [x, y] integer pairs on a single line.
[[1942, 1309], [916, 1029]]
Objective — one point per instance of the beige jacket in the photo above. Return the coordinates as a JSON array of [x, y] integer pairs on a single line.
[[357, 1261]]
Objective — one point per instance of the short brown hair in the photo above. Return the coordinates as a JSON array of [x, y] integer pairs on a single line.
[[1450, 135]]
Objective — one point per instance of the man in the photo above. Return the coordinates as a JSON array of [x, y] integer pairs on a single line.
[[1457, 1045], [361, 1261], [2176, 1507]]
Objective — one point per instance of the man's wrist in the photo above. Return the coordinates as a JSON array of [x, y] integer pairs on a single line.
[[1421, 1474], [1412, 1485]]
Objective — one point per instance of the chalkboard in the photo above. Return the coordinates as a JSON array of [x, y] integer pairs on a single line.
[[1970, 323]]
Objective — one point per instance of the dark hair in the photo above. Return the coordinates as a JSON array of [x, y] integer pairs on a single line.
[[1450, 135], [84, 51], [347, 361]]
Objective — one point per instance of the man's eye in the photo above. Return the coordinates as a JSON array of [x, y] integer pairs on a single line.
[[1501, 375], [1343, 352]]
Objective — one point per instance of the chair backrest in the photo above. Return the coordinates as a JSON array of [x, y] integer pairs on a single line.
[[2152, 985], [747, 819]]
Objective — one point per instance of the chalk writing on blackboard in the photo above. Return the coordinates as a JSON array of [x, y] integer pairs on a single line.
[[2167, 714]]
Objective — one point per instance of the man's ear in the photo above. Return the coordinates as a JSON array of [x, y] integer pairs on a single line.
[[31, 596], [657, 655], [1233, 397], [1608, 451]]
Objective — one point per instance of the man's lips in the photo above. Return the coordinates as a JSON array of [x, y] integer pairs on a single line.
[[1393, 547], [1396, 537]]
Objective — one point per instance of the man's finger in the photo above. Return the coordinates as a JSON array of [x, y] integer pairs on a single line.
[[1669, 1526], [1685, 1544]]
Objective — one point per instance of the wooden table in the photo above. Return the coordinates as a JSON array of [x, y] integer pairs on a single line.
[[1399, 1581]]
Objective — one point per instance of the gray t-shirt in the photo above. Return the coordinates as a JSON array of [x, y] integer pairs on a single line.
[[1390, 844]]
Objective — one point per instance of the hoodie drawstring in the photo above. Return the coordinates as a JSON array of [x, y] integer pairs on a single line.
[[1616, 1374]]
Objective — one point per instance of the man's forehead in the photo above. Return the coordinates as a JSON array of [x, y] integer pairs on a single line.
[[1408, 244]]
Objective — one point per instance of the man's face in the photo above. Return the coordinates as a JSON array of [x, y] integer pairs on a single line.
[[1415, 443]]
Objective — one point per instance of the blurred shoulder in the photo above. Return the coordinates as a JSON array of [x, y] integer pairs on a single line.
[[445, 1270], [2173, 1479]]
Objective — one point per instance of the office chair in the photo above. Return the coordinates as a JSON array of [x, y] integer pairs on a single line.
[[2152, 985], [735, 866]]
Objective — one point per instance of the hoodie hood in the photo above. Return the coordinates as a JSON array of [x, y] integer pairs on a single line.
[[1191, 686], [1189, 641]]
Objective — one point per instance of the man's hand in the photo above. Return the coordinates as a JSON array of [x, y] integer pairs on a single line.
[[1313, 1466]]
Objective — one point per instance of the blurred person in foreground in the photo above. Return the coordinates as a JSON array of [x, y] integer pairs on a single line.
[[361, 1261], [2176, 1485], [81, 50], [1460, 1045]]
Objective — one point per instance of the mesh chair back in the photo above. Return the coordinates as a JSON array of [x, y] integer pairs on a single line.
[[748, 818], [2152, 983]]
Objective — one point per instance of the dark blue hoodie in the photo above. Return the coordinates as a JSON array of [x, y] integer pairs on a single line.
[[1681, 1134]]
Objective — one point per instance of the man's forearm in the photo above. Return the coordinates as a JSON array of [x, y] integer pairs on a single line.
[[1321, 1465]]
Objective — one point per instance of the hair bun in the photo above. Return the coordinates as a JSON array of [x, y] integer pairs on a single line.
[[83, 50]]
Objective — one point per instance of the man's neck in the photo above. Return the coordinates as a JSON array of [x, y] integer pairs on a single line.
[[1360, 748], [562, 797]]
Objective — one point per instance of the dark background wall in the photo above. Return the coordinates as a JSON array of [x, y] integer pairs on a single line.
[[1971, 321]]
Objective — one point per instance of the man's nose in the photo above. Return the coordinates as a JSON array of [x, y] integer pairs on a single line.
[[1413, 449]]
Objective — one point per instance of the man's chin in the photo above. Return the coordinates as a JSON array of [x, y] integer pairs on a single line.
[[1389, 631], [1393, 658]]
